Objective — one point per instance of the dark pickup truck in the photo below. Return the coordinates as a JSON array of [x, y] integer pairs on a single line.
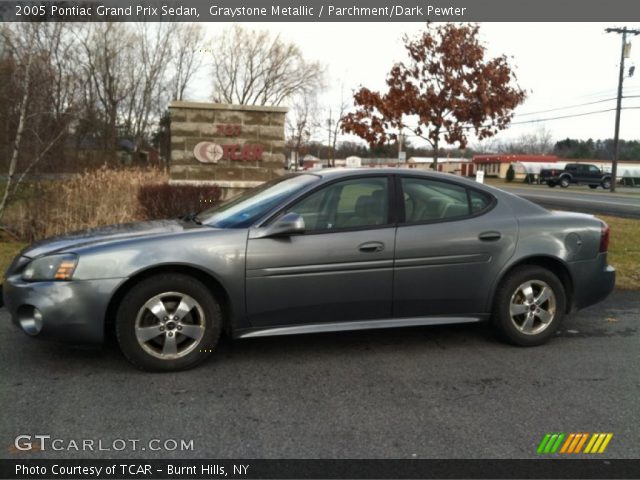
[[578, 173]]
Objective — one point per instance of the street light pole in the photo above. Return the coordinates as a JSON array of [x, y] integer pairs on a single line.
[[400, 139], [616, 137]]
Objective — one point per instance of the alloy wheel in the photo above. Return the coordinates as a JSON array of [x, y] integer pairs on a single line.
[[532, 307], [170, 325]]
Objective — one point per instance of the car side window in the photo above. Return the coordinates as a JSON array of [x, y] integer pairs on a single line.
[[428, 200], [593, 169], [357, 203], [478, 201]]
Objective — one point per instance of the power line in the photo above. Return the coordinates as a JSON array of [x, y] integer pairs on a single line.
[[568, 107], [564, 108], [623, 54], [610, 91], [584, 114], [561, 117]]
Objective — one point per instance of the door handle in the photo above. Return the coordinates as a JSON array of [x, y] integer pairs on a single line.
[[489, 236], [369, 247]]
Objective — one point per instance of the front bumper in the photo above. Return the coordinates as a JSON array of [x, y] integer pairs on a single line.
[[71, 311], [593, 281]]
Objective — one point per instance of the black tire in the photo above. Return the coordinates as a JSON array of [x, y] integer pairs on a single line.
[[606, 183], [564, 182], [204, 318], [593, 187], [510, 289], [551, 184]]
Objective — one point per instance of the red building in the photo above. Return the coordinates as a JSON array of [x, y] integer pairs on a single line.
[[497, 165]]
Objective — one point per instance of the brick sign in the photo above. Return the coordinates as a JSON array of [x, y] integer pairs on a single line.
[[211, 152], [233, 146]]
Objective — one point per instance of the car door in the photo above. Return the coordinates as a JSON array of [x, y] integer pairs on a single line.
[[450, 246], [582, 174], [594, 174], [340, 269]]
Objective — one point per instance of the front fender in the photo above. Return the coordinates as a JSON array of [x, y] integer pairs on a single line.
[[218, 253]]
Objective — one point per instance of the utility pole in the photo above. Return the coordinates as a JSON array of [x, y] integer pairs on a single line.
[[616, 137], [401, 158], [329, 153]]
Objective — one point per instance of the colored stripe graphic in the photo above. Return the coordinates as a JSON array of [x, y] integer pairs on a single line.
[[572, 443], [550, 443], [581, 443], [543, 443], [555, 447], [598, 443], [567, 443]]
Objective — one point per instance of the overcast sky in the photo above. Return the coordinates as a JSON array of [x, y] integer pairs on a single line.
[[559, 64]]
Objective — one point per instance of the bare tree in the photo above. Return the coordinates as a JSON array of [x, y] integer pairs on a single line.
[[301, 124], [254, 68], [335, 115], [43, 81], [108, 62], [187, 57], [538, 142], [152, 54]]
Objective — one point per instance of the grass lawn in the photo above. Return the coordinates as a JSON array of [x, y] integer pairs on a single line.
[[624, 251]]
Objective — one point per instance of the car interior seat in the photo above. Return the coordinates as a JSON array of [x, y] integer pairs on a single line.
[[368, 211], [455, 210], [428, 210]]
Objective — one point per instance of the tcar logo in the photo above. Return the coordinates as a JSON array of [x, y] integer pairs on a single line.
[[574, 443]]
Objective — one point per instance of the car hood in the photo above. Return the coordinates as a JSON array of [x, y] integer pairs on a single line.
[[101, 235]]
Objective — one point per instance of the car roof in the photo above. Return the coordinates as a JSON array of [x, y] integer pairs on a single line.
[[330, 173]]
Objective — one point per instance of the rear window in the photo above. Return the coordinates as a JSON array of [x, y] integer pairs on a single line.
[[479, 201], [427, 200]]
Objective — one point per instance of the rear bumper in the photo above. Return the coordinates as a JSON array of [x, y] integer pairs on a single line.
[[71, 312], [593, 281]]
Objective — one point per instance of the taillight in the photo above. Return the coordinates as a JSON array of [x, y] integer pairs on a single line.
[[604, 238]]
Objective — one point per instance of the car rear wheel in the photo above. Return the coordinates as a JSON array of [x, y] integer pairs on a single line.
[[593, 187], [606, 184], [529, 306], [168, 323], [564, 182], [551, 184]]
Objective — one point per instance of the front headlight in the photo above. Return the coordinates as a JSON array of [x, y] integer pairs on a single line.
[[54, 267]]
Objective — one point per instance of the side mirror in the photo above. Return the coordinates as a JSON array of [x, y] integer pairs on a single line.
[[289, 224]]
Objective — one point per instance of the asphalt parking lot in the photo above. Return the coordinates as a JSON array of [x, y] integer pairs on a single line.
[[446, 392]]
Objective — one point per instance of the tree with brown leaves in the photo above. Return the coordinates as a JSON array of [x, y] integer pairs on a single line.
[[445, 90]]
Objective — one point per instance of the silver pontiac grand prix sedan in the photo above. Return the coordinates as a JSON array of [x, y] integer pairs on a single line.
[[315, 252]]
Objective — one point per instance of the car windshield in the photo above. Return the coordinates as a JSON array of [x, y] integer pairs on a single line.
[[244, 210]]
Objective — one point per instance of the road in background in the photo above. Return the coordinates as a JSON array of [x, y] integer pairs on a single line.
[[579, 199], [433, 392]]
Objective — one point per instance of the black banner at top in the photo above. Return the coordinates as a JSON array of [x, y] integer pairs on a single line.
[[317, 469], [321, 10]]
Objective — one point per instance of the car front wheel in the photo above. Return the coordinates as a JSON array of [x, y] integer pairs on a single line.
[[168, 322], [529, 306]]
